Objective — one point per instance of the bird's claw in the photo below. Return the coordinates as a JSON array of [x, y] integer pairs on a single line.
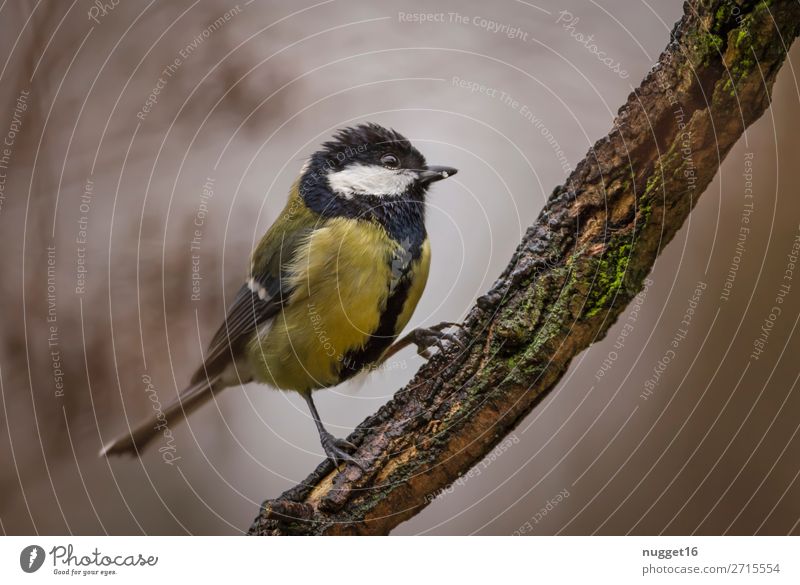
[[338, 451], [428, 338]]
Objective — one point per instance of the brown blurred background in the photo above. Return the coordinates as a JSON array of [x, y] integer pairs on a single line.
[[102, 191]]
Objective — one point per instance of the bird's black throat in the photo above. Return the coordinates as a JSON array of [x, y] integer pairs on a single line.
[[402, 216]]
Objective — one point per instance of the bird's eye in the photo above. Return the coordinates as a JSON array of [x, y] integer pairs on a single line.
[[390, 161]]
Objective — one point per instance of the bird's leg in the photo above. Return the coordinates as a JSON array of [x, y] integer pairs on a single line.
[[335, 449], [425, 338]]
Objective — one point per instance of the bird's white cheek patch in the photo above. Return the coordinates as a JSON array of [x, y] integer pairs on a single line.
[[370, 180]]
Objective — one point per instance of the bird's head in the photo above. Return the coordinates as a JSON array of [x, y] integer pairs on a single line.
[[366, 166]]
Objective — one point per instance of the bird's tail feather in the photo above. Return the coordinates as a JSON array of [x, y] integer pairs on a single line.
[[139, 437]]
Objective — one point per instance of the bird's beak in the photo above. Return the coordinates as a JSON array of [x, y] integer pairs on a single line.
[[434, 173]]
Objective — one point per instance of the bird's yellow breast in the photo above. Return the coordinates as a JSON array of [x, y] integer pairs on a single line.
[[341, 277]]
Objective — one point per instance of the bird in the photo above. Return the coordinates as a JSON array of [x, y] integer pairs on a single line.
[[331, 285]]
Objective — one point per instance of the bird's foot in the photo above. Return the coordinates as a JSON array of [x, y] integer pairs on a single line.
[[428, 338], [338, 451]]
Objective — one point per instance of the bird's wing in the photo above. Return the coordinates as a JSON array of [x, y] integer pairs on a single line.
[[244, 316], [264, 293]]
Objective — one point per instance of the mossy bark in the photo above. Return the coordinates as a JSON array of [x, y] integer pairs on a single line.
[[574, 272]]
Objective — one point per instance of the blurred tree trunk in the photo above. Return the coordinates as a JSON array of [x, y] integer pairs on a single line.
[[572, 275]]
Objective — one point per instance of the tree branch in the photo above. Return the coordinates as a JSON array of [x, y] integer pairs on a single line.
[[574, 272]]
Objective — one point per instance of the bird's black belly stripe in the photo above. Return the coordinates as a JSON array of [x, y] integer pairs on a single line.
[[355, 361]]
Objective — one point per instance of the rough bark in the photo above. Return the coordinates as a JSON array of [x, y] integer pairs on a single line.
[[574, 272]]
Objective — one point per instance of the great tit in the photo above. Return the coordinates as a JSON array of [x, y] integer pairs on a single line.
[[331, 285]]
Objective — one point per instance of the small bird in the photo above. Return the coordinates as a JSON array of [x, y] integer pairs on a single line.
[[331, 285]]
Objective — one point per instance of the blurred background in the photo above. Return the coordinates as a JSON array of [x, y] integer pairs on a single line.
[[147, 146]]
